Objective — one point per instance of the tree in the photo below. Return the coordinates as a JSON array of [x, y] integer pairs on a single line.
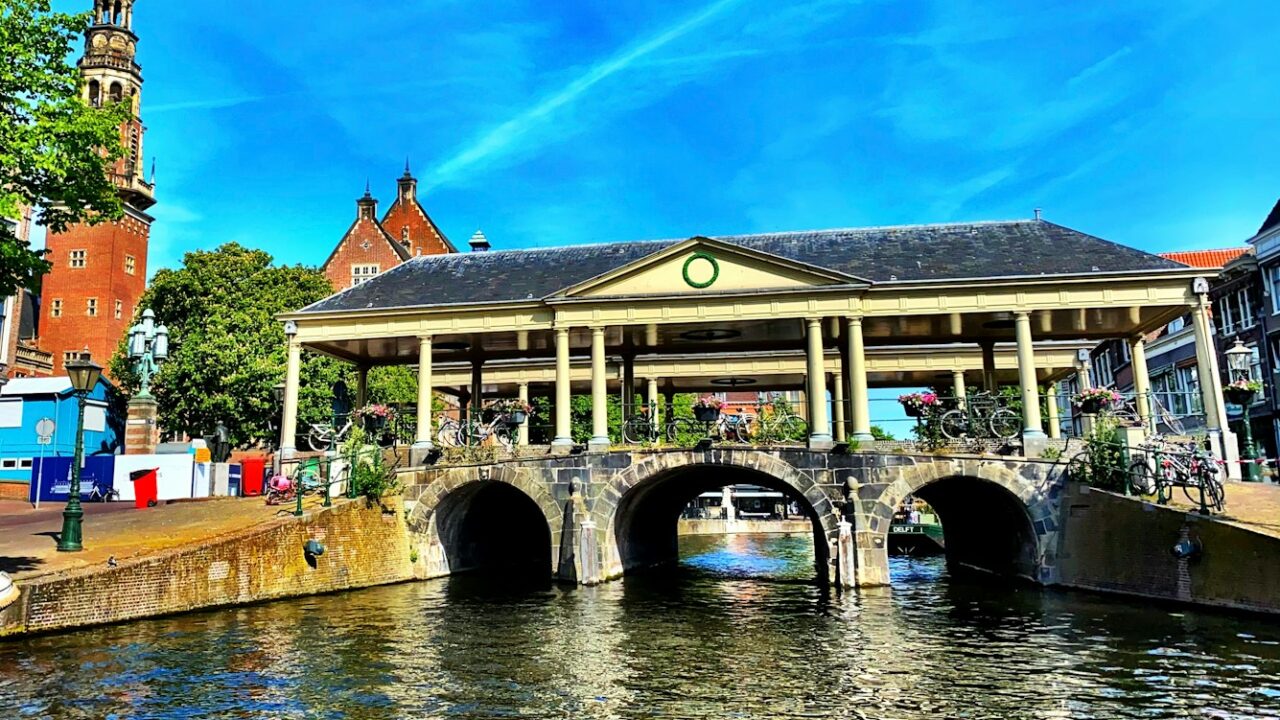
[[55, 150], [227, 351]]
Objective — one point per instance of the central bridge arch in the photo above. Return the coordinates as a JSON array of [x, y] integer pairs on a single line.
[[642, 504]]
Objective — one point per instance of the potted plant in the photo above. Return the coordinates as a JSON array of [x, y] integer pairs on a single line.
[[1092, 401], [516, 412], [916, 404], [707, 408], [374, 418], [1241, 392]]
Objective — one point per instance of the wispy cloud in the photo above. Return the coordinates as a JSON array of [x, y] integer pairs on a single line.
[[502, 139]]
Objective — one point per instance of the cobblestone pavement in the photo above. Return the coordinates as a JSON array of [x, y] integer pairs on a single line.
[[1252, 505], [28, 537]]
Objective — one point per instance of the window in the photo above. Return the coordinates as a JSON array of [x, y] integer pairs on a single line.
[[1104, 375], [91, 307], [95, 417], [1177, 325], [1177, 390], [130, 264], [24, 463], [70, 356], [11, 413], [55, 307], [9, 464], [1273, 283], [119, 309], [78, 258], [362, 273], [1235, 311]]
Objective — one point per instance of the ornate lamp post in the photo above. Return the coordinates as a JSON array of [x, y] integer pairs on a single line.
[[1239, 358], [148, 347], [84, 378]]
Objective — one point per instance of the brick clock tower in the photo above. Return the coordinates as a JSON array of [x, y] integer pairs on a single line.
[[100, 272]]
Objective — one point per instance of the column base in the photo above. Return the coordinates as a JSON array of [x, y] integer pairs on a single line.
[[1033, 435], [598, 444], [288, 453], [863, 437], [562, 446], [821, 442], [420, 452]]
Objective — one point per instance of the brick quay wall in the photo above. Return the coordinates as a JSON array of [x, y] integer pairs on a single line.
[[364, 545]]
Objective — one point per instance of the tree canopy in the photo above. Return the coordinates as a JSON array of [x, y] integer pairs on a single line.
[[55, 150]]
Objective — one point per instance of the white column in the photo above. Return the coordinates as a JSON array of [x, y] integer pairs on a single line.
[[1031, 425], [652, 400], [599, 393], [1055, 425], [522, 432], [837, 409], [1221, 440], [957, 387], [1141, 381], [820, 427], [564, 393], [289, 423], [859, 404], [426, 394]]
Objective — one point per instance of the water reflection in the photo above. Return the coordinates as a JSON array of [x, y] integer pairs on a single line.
[[736, 631]]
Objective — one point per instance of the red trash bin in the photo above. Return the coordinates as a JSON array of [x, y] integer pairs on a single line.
[[252, 471], [145, 493]]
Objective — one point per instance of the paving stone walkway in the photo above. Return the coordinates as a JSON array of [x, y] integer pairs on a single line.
[[28, 537], [1255, 506]]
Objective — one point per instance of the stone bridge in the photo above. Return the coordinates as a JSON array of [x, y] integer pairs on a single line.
[[595, 517]]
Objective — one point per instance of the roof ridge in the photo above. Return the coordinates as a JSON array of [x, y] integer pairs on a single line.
[[742, 236]]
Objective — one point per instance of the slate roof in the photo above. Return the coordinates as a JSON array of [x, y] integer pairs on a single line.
[[1273, 219], [880, 254]]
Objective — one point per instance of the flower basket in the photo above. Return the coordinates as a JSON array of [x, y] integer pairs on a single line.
[[917, 405], [1093, 401], [706, 414], [1093, 406], [1238, 395], [517, 417]]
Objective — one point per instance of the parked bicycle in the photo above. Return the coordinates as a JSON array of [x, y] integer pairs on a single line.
[[980, 417], [1164, 465], [453, 433], [305, 478], [776, 423], [323, 435]]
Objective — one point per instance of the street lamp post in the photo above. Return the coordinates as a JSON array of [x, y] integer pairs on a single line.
[[84, 378], [1239, 358]]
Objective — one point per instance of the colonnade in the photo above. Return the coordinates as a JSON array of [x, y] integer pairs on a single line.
[[852, 417]]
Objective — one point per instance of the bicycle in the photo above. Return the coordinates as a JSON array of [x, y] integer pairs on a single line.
[[1165, 466], [981, 416], [780, 424], [323, 435], [453, 433]]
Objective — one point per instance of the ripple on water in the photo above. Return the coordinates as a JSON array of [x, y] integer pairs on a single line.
[[737, 630]]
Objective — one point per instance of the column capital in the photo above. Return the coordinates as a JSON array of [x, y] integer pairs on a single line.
[[427, 338], [854, 319], [1022, 314]]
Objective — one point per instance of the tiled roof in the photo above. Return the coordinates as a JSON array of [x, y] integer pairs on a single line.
[[880, 254], [1207, 259]]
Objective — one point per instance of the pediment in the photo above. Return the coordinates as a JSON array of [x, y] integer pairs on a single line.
[[702, 265]]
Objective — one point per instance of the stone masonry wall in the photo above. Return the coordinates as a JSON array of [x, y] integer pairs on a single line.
[[363, 546], [1116, 544]]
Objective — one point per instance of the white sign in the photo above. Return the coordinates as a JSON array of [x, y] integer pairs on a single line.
[[45, 429]]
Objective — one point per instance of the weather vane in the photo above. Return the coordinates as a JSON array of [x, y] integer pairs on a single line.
[[148, 347]]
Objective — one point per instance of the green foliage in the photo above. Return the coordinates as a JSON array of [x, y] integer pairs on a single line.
[[392, 385], [370, 476], [1051, 453], [879, 433], [55, 150], [1101, 464], [227, 351]]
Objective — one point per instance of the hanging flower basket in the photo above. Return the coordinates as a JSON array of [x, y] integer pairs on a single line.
[[917, 405], [1092, 401], [517, 417], [1241, 392], [375, 418], [513, 412]]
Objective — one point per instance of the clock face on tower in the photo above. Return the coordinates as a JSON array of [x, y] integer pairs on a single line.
[[99, 41]]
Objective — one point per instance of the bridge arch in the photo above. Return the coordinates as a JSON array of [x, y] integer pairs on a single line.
[[485, 518], [996, 517], [643, 502]]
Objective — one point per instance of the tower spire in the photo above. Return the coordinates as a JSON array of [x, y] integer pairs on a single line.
[[407, 174]]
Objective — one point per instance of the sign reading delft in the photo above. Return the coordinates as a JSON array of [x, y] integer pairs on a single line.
[[701, 270]]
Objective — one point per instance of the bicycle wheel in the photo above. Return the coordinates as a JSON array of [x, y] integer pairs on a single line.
[[319, 437], [450, 434], [637, 431], [502, 434], [954, 424], [1080, 470], [1005, 424], [1141, 480], [792, 429]]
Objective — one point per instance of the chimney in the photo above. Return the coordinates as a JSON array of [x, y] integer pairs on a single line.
[[479, 243]]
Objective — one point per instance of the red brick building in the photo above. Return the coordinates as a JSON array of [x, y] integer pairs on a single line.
[[371, 246], [100, 272]]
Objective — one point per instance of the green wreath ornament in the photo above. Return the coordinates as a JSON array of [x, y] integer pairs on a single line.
[[715, 271]]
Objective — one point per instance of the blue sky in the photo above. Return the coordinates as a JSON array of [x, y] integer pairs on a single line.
[[1151, 123]]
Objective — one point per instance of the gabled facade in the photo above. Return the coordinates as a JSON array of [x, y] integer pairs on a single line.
[[371, 246]]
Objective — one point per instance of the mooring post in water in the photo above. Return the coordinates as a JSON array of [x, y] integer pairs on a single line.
[[846, 561], [588, 554]]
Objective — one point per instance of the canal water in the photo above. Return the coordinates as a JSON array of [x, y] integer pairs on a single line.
[[736, 631]]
